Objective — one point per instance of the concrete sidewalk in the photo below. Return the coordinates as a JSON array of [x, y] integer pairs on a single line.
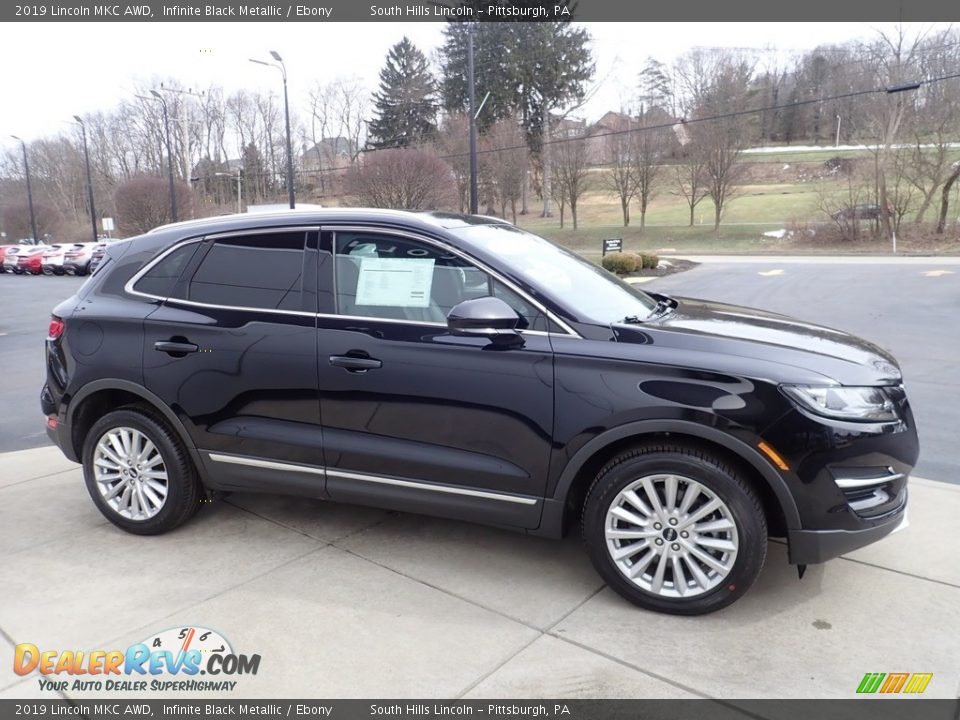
[[343, 602]]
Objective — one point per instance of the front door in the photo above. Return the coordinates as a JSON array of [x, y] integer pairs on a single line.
[[415, 418]]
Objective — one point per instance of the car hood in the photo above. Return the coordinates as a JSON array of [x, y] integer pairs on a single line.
[[750, 333]]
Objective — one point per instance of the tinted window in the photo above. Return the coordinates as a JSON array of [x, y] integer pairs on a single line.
[[259, 271], [160, 279], [386, 276]]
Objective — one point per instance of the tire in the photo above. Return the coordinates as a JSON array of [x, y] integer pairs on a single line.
[[719, 557], [144, 510]]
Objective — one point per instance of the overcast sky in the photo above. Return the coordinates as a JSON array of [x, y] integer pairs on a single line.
[[53, 71]]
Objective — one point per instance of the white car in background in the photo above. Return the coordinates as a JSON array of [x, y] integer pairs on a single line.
[[76, 261], [52, 263]]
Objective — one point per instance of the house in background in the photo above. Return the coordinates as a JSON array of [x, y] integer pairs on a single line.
[[324, 163]]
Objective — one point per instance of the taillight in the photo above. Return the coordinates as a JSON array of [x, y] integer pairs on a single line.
[[56, 328]]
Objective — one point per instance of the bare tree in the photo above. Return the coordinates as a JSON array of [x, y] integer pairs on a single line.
[[453, 143], [403, 179], [505, 161], [571, 170], [691, 177], [648, 155], [620, 177], [143, 203]]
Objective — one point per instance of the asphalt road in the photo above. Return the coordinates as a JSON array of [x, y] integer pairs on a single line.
[[900, 307]]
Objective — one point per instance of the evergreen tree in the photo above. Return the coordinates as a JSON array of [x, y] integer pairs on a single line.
[[405, 106], [529, 69]]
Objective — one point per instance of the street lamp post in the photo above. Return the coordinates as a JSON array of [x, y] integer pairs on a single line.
[[86, 157], [166, 127], [26, 171], [286, 108], [238, 177]]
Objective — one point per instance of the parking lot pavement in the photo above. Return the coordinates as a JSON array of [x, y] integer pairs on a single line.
[[345, 601]]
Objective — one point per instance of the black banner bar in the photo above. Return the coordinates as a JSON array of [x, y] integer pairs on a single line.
[[478, 10], [872, 709]]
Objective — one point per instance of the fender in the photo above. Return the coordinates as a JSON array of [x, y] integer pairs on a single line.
[[155, 402], [552, 519]]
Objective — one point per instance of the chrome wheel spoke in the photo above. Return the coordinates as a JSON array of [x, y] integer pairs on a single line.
[[657, 584], [701, 512], [715, 543], [629, 517], [626, 551], [670, 492], [679, 579], [639, 504], [689, 495], [631, 534], [651, 493], [713, 526], [709, 560], [697, 573]]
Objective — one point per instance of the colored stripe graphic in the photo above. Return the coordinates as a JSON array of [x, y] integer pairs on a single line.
[[870, 682], [918, 682], [894, 682]]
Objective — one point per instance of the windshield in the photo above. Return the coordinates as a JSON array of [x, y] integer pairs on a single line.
[[588, 291]]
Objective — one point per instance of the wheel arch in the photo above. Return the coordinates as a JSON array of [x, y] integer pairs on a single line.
[[778, 502], [95, 398]]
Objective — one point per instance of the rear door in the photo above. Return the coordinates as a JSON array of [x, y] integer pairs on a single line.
[[233, 351]]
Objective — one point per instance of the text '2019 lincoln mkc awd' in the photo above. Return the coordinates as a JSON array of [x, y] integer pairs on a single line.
[[461, 367]]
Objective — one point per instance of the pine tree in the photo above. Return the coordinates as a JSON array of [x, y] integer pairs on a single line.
[[406, 103]]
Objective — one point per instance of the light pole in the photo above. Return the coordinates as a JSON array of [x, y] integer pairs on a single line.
[[837, 143], [473, 122], [286, 109], [238, 178], [166, 126], [26, 171], [86, 158]]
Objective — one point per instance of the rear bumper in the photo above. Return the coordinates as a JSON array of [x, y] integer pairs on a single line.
[[59, 434], [817, 546]]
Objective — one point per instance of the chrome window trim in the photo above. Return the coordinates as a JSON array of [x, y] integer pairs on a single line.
[[567, 330], [129, 286], [365, 477]]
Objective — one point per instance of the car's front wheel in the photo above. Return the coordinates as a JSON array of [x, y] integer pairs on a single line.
[[139, 473], [674, 529]]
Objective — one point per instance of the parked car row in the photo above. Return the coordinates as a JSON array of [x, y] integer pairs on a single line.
[[57, 259]]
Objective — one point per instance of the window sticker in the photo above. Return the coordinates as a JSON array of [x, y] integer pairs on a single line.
[[395, 282]]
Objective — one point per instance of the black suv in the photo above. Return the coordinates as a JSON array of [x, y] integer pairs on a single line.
[[459, 366]]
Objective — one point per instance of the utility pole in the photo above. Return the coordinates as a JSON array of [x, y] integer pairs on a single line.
[[185, 126], [279, 64], [545, 161], [471, 84], [26, 171], [166, 126], [86, 157]]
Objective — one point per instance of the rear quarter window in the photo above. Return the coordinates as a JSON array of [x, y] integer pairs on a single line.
[[160, 279]]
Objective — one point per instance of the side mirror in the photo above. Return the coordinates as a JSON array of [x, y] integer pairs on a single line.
[[488, 317]]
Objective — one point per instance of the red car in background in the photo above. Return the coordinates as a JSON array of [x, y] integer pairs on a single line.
[[30, 260]]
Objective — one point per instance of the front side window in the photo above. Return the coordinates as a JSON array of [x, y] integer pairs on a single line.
[[264, 270], [589, 291], [391, 277]]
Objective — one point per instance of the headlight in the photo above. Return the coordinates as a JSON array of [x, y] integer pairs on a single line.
[[869, 404]]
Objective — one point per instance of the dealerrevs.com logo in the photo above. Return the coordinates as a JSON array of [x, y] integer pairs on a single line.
[[172, 660]]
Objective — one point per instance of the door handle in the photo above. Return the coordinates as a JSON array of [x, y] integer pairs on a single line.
[[355, 364], [177, 349]]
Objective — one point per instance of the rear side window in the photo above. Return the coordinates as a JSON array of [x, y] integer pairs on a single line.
[[255, 271], [160, 279]]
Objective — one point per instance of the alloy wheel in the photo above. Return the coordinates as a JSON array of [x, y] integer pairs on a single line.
[[671, 536], [130, 473]]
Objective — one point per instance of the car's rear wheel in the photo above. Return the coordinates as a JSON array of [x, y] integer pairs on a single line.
[[139, 473], [674, 529]]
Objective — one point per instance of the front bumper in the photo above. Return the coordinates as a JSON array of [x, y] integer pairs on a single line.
[[817, 546]]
